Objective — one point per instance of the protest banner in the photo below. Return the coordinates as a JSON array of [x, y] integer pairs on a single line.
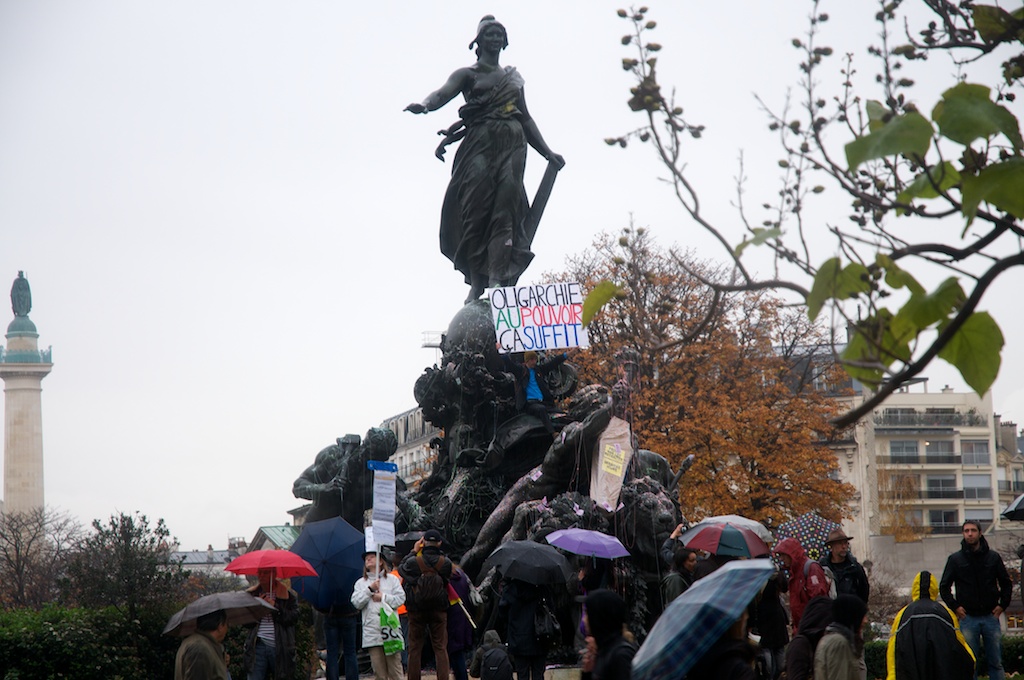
[[383, 518], [540, 317]]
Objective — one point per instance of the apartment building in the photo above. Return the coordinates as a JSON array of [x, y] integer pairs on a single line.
[[415, 457], [923, 463]]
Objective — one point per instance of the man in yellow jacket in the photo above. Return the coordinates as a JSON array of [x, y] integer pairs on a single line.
[[925, 642]]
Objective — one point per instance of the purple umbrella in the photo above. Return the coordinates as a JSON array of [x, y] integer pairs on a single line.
[[587, 542]]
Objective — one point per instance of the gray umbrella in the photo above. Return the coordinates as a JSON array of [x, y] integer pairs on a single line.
[[240, 606]]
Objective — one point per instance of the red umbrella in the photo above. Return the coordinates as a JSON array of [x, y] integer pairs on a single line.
[[284, 563], [728, 539]]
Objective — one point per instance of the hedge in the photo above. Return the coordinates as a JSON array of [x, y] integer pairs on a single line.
[[1013, 657], [59, 642]]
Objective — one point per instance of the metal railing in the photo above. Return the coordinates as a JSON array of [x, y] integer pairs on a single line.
[[919, 419], [920, 460], [1006, 485], [944, 528]]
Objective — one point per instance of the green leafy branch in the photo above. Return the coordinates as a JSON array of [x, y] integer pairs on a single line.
[[898, 165]]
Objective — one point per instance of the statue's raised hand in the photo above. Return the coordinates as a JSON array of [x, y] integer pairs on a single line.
[[416, 108]]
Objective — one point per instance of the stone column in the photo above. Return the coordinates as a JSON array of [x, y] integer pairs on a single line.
[[22, 368]]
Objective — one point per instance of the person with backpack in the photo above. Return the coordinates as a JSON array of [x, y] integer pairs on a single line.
[[806, 577], [850, 577], [425, 573], [490, 661]]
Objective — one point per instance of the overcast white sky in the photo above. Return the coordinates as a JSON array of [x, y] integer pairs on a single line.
[[230, 226]]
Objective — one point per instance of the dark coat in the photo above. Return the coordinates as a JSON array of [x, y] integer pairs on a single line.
[[926, 643], [284, 636], [605, 616], [728, 659], [518, 606], [491, 641], [460, 630], [522, 376], [980, 577], [769, 617], [800, 653], [409, 570], [851, 579]]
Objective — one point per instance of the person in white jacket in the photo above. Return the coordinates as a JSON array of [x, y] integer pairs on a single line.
[[369, 595]]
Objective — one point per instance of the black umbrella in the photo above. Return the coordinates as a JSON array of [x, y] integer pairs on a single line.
[[1015, 510], [528, 561], [241, 607]]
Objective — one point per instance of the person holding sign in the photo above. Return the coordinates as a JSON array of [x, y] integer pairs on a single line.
[[377, 595], [486, 228], [532, 393]]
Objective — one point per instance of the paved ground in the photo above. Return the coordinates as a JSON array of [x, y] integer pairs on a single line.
[[549, 674]]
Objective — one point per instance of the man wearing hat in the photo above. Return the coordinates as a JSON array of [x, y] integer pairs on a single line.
[[418, 571], [849, 574]]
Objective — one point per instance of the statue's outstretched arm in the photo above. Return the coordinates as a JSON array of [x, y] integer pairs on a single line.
[[442, 96]]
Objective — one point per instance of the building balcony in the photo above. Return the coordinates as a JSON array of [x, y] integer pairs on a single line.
[[931, 420], [970, 493], [943, 528], [921, 460], [26, 356], [1011, 487]]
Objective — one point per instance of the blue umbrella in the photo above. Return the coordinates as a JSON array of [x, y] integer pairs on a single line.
[[335, 549], [695, 620]]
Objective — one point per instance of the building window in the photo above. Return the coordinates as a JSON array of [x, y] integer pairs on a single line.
[[941, 486], [943, 522], [977, 486], [939, 452], [974, 452], [983, 516], [903, 450]]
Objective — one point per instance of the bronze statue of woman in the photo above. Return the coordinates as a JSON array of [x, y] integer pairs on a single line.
[[484, 230]]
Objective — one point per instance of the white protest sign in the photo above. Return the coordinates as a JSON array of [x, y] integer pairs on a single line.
[[383, 517], [544, 316]]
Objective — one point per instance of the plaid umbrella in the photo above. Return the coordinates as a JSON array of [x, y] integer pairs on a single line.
[[1015, 510], [695, 620], [811, 530]]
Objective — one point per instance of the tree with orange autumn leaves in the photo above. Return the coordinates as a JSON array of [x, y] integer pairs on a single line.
[[728, 378]]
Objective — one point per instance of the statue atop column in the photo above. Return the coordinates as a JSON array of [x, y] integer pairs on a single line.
[[21, 296], [487, 224]]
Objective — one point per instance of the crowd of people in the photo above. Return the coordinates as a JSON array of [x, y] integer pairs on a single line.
[[950, 627], [806, 622]]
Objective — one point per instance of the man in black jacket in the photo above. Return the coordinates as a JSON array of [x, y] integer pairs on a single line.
[[983, 591], [849, 574]]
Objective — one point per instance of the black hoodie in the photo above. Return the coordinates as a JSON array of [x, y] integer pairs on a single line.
[[800, 653], [980, 578]]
